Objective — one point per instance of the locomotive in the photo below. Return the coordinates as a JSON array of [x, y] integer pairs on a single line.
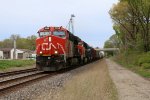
[[58, 48]]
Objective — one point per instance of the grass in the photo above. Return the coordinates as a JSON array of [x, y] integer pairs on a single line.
[[5, 64], [135, 61]]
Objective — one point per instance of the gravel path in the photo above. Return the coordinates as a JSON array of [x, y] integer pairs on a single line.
[[130, 86]]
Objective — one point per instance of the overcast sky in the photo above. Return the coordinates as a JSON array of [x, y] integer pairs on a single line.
[[92, 22]]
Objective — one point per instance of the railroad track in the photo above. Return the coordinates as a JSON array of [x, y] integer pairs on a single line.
[[15, 84], [12, 85], [17, 72]]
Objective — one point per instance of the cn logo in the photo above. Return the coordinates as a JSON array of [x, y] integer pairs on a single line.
[[46, 46]]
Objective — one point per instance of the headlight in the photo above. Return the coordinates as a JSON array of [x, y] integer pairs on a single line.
[[40, 52], [50, 39], [56, 52]]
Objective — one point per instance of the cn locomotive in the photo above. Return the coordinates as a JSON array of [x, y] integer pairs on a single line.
[[58, 48]]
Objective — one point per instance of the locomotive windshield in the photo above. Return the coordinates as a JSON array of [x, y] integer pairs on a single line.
[[59, 34], [42, 34]]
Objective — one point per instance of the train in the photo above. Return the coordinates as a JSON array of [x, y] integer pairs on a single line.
[[57, 48]]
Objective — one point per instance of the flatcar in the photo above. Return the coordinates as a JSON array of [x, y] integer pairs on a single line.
[[58, 48]]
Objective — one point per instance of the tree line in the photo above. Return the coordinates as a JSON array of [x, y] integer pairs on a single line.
[[131, 22], [21, 43]]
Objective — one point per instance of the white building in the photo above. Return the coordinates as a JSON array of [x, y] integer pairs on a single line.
[[19, 54], [1, 54], [8, 53]]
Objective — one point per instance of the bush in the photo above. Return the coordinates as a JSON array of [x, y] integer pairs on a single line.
[[144, 59], [138, 62], [148, 53], [146, 65]]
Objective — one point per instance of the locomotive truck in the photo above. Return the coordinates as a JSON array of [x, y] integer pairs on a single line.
[[58, 48]]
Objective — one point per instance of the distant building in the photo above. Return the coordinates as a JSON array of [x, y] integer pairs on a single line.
[[8, 53], [1, 54]]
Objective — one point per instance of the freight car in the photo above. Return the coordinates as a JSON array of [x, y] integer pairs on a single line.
[[58, 48]]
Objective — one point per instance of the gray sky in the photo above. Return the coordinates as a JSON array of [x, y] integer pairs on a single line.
[[92, 22]]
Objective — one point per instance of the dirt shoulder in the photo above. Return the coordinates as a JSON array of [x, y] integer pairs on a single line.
[[130, 86], [90, 82]]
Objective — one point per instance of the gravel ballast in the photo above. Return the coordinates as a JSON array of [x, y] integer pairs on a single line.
[[32, 91], [17, 76]]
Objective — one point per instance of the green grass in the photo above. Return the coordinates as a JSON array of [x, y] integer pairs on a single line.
[[135, 61], [5, 64]]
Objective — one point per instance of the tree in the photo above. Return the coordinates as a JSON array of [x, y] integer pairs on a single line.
[[131, 22], [31, 41], [141, 10], [7, 43], [22, 43], [113, 42]]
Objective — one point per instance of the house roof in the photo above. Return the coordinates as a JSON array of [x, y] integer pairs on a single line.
[[26, 50], [5, 49], [9, 49]]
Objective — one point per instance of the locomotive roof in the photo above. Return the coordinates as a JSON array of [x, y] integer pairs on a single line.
[[52, 28], [72, 36]]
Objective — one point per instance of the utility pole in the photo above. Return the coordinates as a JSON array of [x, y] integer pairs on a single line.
[[14, 40]]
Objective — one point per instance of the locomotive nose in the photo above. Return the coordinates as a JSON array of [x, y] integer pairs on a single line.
[[51, 45]]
